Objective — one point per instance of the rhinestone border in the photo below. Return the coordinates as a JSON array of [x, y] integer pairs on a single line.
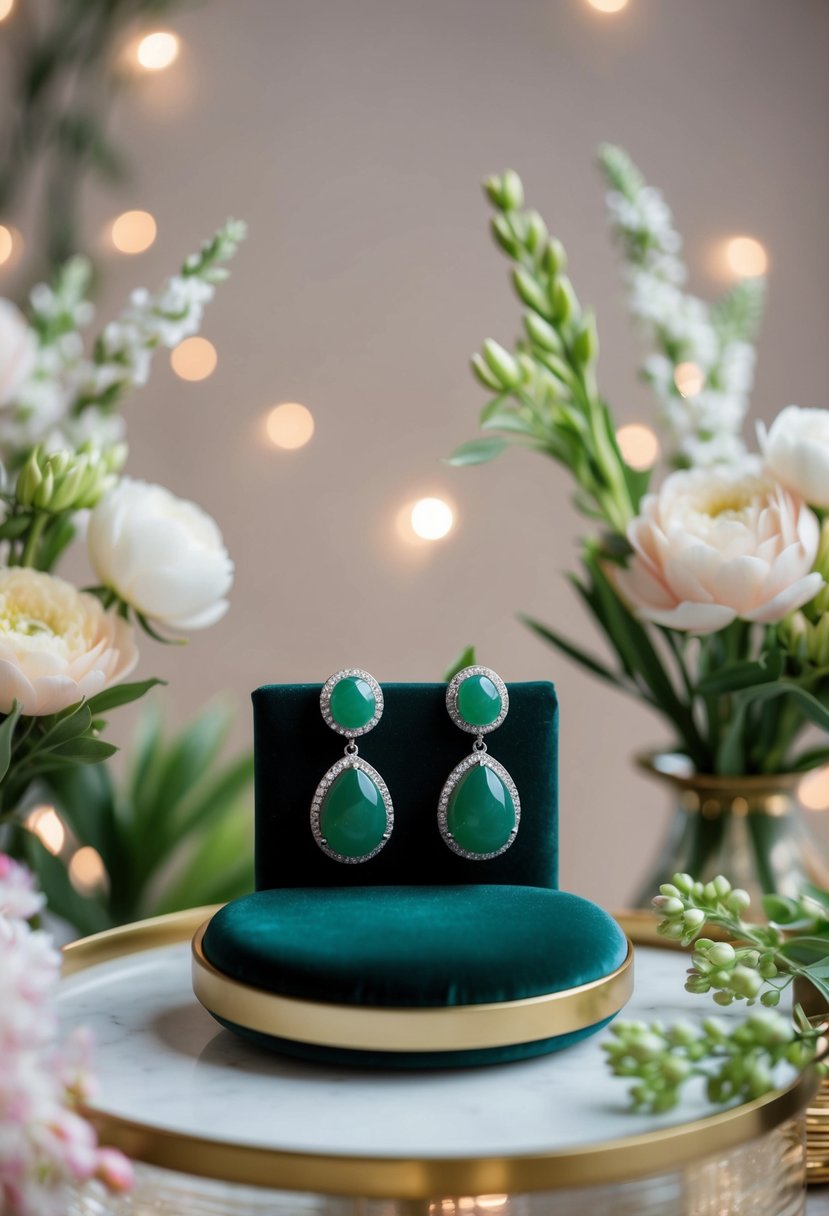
[[325, 702], [319, 795], [452, 699], [482, 758]]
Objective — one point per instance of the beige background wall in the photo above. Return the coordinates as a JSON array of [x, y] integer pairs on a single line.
[[352, 135]]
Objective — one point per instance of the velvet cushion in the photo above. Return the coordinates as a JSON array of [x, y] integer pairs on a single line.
[[414, 946], [414, 748]]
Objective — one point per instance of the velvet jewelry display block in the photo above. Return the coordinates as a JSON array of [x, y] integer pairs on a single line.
[[414, 748]]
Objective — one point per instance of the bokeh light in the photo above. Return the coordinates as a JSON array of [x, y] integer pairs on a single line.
[[194, 359], [608, 6], [133, 231], [86, 870], [431, 518], [290, 425], [492, 1203], [157, 51], [47, 825], [6, 7], [814, 790], [689, 379], [11, 244], [638, 444], [746, 257]]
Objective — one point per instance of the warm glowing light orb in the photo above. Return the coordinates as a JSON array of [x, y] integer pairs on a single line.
[[746, 257], [290, 425], [492, 1203], [47, 825], [432, 518], [638, 444], [86, 870], [7, 244], [6, 7], [608, 6], [133, 231], [157, 51], [194, 359], [814, 790], [689, 379]]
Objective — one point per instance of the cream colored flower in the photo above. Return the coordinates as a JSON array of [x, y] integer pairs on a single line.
[[18, 347], [160, 554], [796, 451], [717, 544], [57, 644]]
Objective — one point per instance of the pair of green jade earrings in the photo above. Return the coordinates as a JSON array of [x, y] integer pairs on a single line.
[[352, 815]]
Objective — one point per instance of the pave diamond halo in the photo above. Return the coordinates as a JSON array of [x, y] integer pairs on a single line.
[[479, 809], [352, 815]]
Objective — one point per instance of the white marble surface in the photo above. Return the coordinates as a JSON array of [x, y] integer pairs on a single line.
[[163, 1060]]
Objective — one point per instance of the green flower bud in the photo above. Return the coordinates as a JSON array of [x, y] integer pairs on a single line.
[[504, 236], [684, 883], [721, 954], [698, 984], [563, 300], [586, 344], [722, 886], [770, 998], [669, 890], [554, 260], [43, 493], [502, 365], [745, 982], [767, 966], [505, 191], [540, 332], [29, 479], [724, 998], [484, 374], [531, 294], [668, 906], [817, 641], [671, 929], [536, 237], [738, 900], [694, 918]]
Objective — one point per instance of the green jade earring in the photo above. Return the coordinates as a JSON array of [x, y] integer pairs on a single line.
[[479, 809], [351, 813]]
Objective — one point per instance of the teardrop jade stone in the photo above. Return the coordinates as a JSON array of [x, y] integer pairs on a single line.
[[353, 814], [479, 701], [480, 816], [352, 702]]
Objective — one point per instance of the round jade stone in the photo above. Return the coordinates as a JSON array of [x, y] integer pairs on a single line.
[[480, 816], [353, 814], [479, 701], [352, 703]]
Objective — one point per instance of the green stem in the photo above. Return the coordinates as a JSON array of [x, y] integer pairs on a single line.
[[29, 556]]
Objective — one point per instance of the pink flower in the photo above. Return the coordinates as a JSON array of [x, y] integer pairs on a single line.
[[45, 1143], [720, 543]]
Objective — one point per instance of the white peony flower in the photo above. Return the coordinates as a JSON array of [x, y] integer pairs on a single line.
[[18, 348], [796, 451], [717, 544], [57, 644], [160, 554]]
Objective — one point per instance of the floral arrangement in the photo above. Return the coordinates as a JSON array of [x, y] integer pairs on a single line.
[[45, 1143], [160, 562], [710, 590], [748, 963]]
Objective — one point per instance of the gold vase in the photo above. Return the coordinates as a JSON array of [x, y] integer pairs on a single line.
[[751, 829]]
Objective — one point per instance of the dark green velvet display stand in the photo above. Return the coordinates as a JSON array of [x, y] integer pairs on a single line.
[[416, 925]]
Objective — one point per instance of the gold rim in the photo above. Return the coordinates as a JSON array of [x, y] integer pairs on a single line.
[[408, 1178], [362, 1028]]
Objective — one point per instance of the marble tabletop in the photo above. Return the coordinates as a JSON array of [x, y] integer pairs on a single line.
[[162, 1060]]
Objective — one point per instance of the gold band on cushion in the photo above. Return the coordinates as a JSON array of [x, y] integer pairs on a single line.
[[372, 1028]]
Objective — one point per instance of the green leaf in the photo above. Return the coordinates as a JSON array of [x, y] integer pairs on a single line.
[[14, 526], [816, 757], [69, 727], [742, 675], [572, 651], [477, 451], [729, 760], [6, 736], [807, 950], [465, 659], [121, 694], [213, 797], [85, 750]]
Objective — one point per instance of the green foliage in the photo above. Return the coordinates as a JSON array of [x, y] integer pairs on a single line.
[[465, 659], [756, 963], [34, 748], [175, 832], [546, 397]]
